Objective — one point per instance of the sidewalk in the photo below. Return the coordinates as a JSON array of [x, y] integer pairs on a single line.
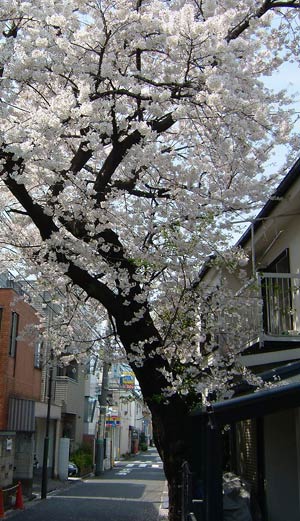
[[52, 485]]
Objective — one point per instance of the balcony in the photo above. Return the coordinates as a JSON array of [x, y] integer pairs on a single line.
[[264, 311], [280, 294], [8, 281], [66, 394]]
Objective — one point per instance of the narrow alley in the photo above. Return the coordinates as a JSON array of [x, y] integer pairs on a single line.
[[131, 491]]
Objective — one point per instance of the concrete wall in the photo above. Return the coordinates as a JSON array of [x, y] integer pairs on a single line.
[[24, 461], [7, 456]]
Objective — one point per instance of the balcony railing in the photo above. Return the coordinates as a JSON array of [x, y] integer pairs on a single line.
[[267, 308], [66, 394], [8, 281], [280, 293]]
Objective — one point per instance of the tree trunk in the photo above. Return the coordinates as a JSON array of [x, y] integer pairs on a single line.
[[172, 435], [170, 415]]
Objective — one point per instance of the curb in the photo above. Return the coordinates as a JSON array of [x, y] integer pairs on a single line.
[[163, 513]]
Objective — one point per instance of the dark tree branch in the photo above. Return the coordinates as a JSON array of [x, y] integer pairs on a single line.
[[81, 157], [43, 222], [20, 212], [120, 92], [266, 6], [112, 162], [120, 149], [141, 330], [46, 226]]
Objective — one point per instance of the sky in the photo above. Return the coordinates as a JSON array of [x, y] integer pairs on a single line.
[[288, 77]]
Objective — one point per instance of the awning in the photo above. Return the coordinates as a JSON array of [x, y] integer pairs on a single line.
[[258, 403]]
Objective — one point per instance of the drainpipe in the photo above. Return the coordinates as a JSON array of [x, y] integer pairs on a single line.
[[253, 251], [213, 471]]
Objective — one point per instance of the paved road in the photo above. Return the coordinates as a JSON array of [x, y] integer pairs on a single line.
[[132, 491]]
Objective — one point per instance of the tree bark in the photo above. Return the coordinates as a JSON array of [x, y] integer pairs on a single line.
[[173, 440], [170, 415]]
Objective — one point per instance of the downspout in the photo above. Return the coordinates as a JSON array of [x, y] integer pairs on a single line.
[[213, 471], [253, 251]]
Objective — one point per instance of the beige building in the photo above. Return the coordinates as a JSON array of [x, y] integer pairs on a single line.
[[259, 316]]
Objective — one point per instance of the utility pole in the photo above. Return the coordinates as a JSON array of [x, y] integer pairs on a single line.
[[44, 484], [102, 421], [46, 440]]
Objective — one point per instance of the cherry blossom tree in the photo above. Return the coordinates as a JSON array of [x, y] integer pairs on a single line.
[[131, 132]]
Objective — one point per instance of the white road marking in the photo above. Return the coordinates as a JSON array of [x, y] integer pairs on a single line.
[[138, 500]]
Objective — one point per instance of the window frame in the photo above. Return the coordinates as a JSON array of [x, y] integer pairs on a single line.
[[14, 330]]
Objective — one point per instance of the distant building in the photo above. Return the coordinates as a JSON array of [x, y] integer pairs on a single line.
[[127, 416]]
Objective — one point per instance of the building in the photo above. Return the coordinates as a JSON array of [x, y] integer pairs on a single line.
[[127, 418], [91, 393], [38, 394], [259, 320], [65, 417], [20, 383]]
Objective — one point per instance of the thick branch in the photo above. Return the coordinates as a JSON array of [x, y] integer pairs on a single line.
[[119, 151], [46, 226], [112, 162], [268, 5], [42, 221], [151, 379], [81, 157]]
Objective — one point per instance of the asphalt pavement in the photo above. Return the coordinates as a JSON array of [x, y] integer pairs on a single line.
[[132, 491]]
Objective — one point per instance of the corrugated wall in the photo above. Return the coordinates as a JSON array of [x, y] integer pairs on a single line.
[[21, 415]]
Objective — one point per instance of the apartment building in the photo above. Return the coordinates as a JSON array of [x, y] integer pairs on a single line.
[[259, 320], [20, 383], [37, 393]]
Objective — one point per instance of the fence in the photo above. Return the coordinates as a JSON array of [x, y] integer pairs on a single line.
[[267, 308], [11, 497], [190, 505]]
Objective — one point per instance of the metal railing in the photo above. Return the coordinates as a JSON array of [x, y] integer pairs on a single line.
[[191, 507], [186, 491], [267, 308], [8, 281], [281, 303]]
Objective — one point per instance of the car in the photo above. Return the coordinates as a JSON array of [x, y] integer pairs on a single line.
[[72, 469]]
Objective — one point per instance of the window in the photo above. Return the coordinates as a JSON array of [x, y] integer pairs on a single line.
[[89, 408], [38, 353], [92, 365], [13, 334], [277, 295], [71, 370]]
